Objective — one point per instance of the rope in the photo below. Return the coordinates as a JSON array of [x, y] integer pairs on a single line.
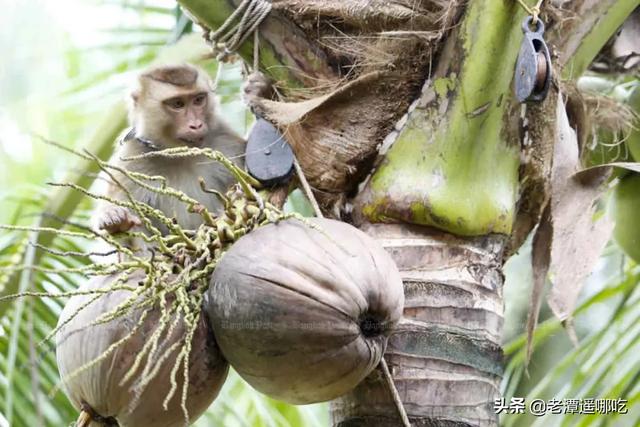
[[225, 42], [238, 26], [216, 82], [394, 393], [307, 188], [534, 11], [256, 51]]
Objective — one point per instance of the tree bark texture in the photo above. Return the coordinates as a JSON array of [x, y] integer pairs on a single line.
[[446, 356]]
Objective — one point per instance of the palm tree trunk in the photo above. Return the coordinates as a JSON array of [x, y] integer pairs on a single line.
[[446, 356]]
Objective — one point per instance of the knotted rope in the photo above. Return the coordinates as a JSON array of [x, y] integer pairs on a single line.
[[238, 27]]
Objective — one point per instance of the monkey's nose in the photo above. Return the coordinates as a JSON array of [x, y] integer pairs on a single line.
[[196, 126]]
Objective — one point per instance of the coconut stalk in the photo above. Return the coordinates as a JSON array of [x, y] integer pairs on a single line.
[[448, 186]]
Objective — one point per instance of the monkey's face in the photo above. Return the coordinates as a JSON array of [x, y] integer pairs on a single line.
[[173, 106], [188, 117]]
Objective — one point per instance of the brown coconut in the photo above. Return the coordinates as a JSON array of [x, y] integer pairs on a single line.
[[98, 387], [303, 314]]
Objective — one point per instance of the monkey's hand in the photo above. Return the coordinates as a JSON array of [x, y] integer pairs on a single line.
[[117, 219], [257, 86]]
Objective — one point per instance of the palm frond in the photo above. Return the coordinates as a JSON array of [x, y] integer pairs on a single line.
[[604, 365], [28, 365]]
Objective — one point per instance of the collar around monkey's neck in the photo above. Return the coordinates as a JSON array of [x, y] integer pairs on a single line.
[[146, 143]]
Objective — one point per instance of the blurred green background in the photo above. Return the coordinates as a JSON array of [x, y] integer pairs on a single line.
[[63, 76]]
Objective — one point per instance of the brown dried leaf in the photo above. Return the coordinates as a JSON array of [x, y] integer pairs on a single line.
[[286, 113], [567, 242], [577, 240]]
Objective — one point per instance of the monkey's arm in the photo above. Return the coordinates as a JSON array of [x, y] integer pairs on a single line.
[[113, 218]]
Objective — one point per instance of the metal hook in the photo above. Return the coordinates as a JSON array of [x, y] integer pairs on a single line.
[[533, 68]]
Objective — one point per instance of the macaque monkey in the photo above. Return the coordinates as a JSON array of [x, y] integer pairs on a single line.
[[172, 106]]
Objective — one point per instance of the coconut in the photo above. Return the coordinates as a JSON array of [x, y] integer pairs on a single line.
[[303, 313], [97, 390]]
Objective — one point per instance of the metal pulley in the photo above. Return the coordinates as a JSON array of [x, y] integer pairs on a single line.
[[533, 69], [269, 157]]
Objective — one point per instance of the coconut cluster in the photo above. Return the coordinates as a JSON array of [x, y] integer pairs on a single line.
[[301, 308]]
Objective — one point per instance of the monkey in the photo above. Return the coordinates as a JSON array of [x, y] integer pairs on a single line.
[[171, 106]]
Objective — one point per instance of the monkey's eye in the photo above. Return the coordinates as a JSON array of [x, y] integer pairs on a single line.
[[199, 100], [175, 103]]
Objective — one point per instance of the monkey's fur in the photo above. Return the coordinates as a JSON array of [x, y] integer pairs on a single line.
[[172, 106]]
